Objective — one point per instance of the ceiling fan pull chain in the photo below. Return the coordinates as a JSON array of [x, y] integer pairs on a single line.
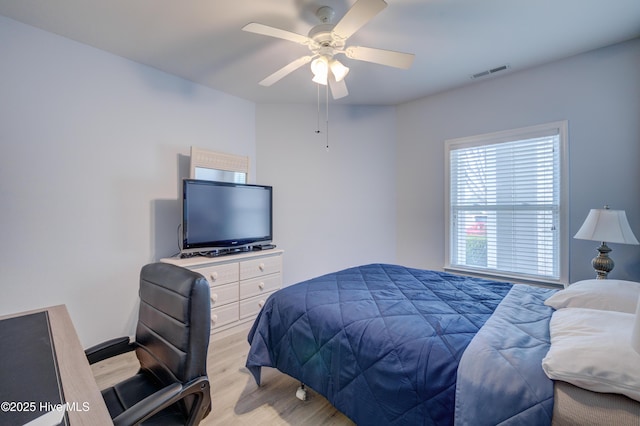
[[318, 111], [327, 114], [317, 131]]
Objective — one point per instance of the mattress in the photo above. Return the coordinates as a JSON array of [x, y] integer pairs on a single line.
[[577, 406]]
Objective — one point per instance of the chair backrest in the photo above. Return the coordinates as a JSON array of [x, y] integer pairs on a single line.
[[173, 323]]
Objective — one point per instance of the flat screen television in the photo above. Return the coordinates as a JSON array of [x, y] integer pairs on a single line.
[[223, 215]]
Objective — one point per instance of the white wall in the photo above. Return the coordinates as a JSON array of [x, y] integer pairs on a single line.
[[333, 209], [93, 148], [597, 92]]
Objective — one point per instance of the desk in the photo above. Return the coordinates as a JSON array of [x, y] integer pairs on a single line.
[[80, 390]]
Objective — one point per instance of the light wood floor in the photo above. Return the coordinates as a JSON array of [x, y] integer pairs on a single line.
[[235, 397]]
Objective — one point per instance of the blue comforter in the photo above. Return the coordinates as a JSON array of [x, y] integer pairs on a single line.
[[381, 342]]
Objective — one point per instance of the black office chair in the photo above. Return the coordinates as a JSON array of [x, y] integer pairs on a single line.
[[171, 342]]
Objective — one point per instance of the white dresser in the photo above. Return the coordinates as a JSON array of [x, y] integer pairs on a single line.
[[240, 284]]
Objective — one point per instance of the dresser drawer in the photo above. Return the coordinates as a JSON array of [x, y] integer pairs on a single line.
[[261, 266], [251, 307], [220, 274], [260, 285], [224, 315], [224, 294]]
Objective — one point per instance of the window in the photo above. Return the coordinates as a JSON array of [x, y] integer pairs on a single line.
[[211, 165], [505, 203]]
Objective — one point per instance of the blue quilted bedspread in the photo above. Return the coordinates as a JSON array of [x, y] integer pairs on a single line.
[[381, 342]]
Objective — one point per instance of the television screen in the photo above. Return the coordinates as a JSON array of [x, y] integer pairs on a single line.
[[225, 215]]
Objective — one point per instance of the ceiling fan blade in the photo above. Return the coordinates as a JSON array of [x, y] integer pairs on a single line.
[[380, 56], [286, 70], [338, 88], [262, 29], [359, 14]]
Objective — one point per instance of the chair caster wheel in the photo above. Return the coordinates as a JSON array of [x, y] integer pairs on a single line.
[[301, 393]]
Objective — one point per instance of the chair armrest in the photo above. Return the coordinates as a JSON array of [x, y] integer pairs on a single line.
[[109, 349], [149, 406], [169, 395], [200, 388]]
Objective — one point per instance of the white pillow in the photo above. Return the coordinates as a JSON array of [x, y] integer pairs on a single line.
[[607, 295], [592, 349]]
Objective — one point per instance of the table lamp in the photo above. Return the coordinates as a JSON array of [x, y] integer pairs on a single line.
[[605, 225]]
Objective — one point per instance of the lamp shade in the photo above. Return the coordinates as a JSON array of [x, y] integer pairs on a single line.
[[606, 226]]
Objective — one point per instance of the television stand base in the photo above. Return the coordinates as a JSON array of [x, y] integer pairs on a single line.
[[225, 252], [228, 251]]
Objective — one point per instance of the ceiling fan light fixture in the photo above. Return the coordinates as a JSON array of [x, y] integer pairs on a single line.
[[320, 69], [320, 80], [339, 71]]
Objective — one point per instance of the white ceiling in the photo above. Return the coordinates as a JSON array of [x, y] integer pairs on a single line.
[[202, 41]]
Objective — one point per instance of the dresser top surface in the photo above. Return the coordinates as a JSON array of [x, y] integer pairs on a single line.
[[237, 257]]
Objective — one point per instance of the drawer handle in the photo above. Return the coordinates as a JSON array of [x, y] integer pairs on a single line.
[[261, 303], [214, 276], [214, 319], [214, 297], [261, 285], [261, 266]]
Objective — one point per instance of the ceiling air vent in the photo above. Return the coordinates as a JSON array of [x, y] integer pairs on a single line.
[[490, 72]]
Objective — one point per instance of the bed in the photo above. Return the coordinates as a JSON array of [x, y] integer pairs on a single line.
[[392, 345]]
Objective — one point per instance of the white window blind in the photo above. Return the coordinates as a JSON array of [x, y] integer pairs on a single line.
[[504, 200]]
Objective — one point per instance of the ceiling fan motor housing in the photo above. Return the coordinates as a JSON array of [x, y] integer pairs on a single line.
[[325, 43], [321, 34]]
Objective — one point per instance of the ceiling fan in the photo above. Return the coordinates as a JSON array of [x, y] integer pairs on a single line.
[[326, 40]]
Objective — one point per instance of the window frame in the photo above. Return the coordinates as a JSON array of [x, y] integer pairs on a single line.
[[211, 165], [563, 232]]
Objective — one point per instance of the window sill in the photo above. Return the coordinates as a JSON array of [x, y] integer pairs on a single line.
[[516, 279]]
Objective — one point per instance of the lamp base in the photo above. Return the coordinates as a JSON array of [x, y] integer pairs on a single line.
[[602, 263]]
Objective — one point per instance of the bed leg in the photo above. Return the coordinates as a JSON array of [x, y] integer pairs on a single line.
[[301, 393]]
